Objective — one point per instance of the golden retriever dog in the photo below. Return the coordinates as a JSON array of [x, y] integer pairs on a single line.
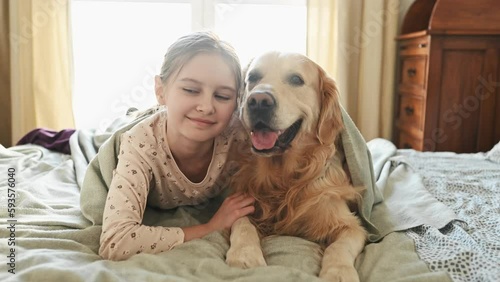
[[294, 170]]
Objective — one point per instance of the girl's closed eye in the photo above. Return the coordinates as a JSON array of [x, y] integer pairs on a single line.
[[223, 97], [190, 90]]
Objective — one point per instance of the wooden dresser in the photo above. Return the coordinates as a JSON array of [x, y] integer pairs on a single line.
[[448, 92]]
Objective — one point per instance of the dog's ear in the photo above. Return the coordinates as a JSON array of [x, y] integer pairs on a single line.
[[330, 117], [243, 82], [245, 69]]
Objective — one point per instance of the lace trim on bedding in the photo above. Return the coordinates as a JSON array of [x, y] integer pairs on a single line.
[[470, 185]]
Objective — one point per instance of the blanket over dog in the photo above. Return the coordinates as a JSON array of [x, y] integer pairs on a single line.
[[395, 198], [389, 204]]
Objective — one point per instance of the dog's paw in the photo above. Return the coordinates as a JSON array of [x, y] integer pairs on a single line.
[[245, 257], [341, 273]]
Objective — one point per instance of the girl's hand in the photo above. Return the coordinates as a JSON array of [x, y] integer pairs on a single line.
[[233, 208]]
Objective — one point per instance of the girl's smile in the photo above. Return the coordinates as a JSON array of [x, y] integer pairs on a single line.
[[202, 122]]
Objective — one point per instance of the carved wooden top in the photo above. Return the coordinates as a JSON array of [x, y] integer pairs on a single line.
[[469, 17]]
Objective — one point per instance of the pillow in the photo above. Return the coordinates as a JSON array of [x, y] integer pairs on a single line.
[[494, 154]]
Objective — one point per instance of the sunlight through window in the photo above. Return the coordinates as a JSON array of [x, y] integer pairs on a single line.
[[119, 45]]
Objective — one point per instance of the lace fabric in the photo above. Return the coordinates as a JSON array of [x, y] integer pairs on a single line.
[[470, 185]]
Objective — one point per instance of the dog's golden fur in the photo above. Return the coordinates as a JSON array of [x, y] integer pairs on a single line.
[[301, 189]]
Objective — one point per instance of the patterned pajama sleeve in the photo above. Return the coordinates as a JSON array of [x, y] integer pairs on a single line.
[[123, 233]]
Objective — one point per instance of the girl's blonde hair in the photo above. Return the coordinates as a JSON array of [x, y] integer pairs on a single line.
[[188, 46]]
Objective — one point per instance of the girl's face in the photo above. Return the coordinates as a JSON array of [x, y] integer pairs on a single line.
[[200, 98]]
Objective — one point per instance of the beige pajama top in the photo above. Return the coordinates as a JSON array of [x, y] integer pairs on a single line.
[[147, 174]]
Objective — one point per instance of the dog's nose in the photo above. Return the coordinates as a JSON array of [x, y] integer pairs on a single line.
[[260, 101]]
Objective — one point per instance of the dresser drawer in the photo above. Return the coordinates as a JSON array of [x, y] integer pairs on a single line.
[[413, 71], [407, 141], [414, 46], [410, 111]]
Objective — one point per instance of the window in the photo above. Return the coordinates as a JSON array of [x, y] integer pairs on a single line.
[[119, 45]]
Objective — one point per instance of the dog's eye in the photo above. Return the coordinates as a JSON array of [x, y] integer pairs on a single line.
[[295, 80], [253, 77]]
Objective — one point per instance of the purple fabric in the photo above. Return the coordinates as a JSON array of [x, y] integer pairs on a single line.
[[52, 140]]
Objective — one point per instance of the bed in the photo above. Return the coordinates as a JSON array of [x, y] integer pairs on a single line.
[[54, 241]]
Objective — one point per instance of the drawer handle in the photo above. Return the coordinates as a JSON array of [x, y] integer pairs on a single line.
[[409, 110], [412, 72], [421, 45], [407, 146]]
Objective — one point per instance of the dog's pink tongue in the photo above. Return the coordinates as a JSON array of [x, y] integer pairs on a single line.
[[263, 140]]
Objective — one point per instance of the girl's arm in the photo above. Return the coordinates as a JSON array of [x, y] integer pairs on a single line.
[[123, 233]]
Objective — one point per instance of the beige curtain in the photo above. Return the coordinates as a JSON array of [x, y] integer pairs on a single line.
[[5, 113], [355, 42], [41, 69]]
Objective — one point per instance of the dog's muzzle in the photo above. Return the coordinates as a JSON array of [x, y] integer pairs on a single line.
[[266, 139]]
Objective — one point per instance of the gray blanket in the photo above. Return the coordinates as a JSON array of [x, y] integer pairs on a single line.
[[60, 204]]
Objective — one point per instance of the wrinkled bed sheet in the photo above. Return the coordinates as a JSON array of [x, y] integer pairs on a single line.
[[55, 242]]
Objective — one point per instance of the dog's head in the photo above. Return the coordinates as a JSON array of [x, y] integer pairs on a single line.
[[287, 95]]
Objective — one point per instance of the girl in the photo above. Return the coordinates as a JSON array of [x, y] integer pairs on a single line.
[[178, 155]]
